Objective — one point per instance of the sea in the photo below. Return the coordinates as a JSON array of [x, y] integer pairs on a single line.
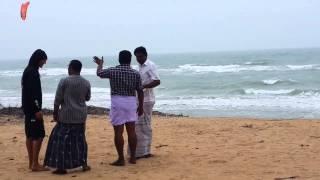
[[276, 84]]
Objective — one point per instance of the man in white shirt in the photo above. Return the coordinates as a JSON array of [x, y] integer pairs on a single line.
[[150, 79]]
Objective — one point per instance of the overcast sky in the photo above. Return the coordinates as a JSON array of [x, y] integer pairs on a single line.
[[66, 28]]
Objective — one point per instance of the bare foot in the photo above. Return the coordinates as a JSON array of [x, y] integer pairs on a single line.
[[39, 168], [118, 163], [132, 160], [86, 168], [146, 156]]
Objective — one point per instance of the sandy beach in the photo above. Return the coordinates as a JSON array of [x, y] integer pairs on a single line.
[[185, 148]]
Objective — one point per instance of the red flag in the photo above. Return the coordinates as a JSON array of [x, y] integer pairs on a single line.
[[24, 9]]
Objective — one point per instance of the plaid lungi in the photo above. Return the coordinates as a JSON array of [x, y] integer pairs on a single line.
[[67, 147]]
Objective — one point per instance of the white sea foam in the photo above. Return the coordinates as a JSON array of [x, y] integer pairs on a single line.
[[4, 91], [48, 72], [255, 63], [64, 71], [271, 81], [269, 92], [100, 90], [193, 68], [234, 68], [304, 67], [246, 103], [299, 104], [11, 73], [277, 81]]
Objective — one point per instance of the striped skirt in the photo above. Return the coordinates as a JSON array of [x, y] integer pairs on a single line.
[[67, 147], [144, 130]]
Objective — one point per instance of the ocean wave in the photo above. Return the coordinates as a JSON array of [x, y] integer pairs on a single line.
[[64, 71], [277, 81], [233, 103], [4, 91], [270, 81], [53, 72], [11, 73], [268, 92], [279, 92], [100, 90], [234, 68], [255, 63], [311, 92], [9, 92], [193, 68], [304, 67], [49, 72], [228, 104]]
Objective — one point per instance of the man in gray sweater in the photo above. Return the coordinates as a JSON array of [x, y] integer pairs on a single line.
[[67, 146]]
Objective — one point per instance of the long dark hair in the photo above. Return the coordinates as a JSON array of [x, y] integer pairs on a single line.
[[36, 57]]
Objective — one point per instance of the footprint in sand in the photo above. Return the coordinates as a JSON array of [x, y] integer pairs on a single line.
[[247, 126], [162, 145], [14, 139], [292, 177], [200, 133], [217, 161]]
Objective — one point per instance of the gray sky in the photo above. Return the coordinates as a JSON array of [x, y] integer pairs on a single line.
[[67, 28]]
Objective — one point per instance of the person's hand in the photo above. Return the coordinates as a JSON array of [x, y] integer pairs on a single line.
[[97, 60], [140, 110], [39, 116]]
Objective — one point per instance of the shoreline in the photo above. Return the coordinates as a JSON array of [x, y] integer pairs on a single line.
[[92, 110], [96, 110]]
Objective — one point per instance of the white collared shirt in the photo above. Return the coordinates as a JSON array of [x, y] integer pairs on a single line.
[[148, 73]]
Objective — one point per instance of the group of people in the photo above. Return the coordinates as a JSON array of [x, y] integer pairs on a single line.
[[132, 101]]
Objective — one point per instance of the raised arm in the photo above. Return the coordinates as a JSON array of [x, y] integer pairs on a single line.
[[102, 73]]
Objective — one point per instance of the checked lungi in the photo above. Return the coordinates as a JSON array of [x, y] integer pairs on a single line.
[[67, 147]]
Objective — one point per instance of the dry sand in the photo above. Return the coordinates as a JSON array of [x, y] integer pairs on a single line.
[[186, 148]]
